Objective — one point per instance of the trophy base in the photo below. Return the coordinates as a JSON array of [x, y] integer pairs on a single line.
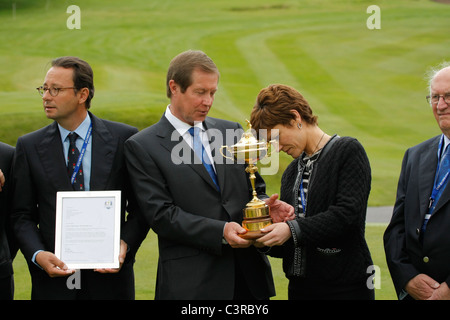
[[251, 235], [255, 219]]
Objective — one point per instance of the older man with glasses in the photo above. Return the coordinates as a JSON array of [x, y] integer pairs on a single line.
[[417, 241]]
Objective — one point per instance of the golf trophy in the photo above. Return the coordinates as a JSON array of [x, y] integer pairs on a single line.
[[250, 150]]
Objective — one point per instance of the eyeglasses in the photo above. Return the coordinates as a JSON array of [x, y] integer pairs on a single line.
[[434, 98], [53, 91]]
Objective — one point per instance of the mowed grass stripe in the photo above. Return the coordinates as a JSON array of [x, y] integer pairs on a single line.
[[364, 83]]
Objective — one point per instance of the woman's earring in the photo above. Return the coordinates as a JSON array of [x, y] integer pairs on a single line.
[[299, 125]]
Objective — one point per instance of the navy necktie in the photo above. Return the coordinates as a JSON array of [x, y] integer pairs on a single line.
[[72, 158], [199, 150]]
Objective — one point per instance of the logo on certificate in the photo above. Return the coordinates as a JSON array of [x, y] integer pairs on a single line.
[[108, 204]]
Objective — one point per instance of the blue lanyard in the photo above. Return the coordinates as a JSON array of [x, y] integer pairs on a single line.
[[82, 152], [302, 196], [438, 186]]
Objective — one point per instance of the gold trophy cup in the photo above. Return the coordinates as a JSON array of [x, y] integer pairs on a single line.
[[256, 212]]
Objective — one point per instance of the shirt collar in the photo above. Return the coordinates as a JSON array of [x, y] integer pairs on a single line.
[[446, 141], [181, 126], [81, 130]]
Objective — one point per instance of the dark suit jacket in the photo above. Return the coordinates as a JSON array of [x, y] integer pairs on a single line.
[[406, 255], [182, 205], [7, 251], [39, 172]]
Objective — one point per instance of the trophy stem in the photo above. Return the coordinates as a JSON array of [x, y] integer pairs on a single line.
[[251, 169], [256, 215]]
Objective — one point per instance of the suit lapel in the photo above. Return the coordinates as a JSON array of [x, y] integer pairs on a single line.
[[180, 151], [428, 166], [51, 154], [428, 162], [103, 153], [219, 137], [170, 138], [445, 197]]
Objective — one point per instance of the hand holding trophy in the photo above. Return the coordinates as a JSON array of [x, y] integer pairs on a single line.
[[250, 150]]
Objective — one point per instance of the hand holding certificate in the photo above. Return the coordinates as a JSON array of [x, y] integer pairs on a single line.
[[88, 230], [52, 265], [122, 254]]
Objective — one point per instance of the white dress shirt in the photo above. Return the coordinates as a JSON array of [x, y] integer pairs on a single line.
[[183, 127]]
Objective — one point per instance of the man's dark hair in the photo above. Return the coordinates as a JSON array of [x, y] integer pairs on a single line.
[[83, 76]]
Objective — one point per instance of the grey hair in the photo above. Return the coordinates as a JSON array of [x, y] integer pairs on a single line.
[[433, 71]]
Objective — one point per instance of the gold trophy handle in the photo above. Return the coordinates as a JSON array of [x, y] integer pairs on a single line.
[[223, 155]]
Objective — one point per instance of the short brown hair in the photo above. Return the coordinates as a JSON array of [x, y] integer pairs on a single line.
[[274, 104], [182, 66], [83, 76]]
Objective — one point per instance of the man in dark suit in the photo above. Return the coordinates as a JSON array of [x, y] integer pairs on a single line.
[[417, 241], [40, 170], [201, 255], [7, 252]]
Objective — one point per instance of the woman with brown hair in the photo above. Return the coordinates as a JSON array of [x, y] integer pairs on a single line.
[[325, 255]]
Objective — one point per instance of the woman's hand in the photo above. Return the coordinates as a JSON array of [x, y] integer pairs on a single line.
[[280, 211], [275, 235]]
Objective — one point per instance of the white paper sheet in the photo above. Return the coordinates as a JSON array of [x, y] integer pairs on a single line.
[[88, 229]]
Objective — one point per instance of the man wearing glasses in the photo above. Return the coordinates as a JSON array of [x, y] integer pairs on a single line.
[[44, 164], [417, 241]]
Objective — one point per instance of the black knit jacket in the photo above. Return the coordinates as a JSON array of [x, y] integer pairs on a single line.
[[330, 240]]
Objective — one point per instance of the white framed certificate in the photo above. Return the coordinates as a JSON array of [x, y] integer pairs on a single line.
[[88, 229]]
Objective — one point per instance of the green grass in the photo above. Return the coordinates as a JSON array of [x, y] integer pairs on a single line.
[[364, 83], [147, 258]]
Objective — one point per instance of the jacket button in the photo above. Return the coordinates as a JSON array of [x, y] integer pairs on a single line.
[[417, 231], [426, 259]]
